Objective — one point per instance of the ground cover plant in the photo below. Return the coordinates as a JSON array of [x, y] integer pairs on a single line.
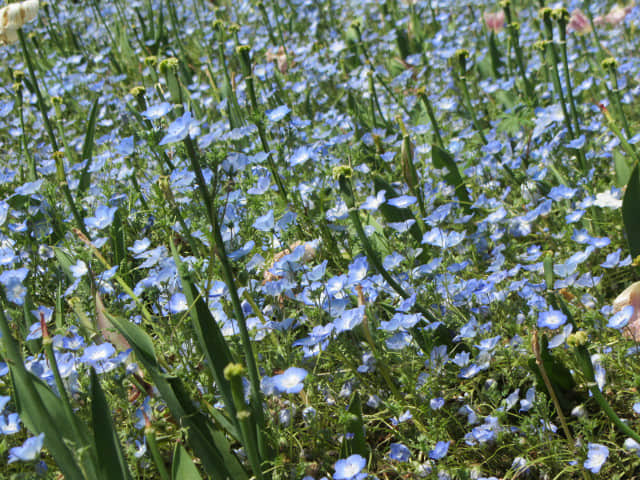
[[294, 239]]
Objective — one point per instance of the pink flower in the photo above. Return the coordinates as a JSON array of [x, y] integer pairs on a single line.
[[579, 22], [494, 20], [615, 15], [630, 296]]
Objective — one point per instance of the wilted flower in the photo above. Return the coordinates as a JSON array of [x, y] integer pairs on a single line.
[[578, 22], [615, 15], [280, 59], [630, 297], [494, 20], [14, 16]]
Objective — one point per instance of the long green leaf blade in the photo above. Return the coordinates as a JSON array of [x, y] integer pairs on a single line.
[[111, 461]]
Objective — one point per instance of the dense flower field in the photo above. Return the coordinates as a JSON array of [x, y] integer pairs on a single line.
[[307, 239]]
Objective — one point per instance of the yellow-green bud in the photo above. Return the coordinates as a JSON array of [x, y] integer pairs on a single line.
[[138, 91], [18, 75], [151, 61], [342, 171], [56, 100], [578, 339], [561, 15], [243, 415], [217, 24], [609, 63], [167, 64], [233, 370]]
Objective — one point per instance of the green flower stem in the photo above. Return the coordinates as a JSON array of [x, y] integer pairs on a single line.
[[514, 34], [610, 65], [545, 13], [31, 164], [432, 118], [461, 57], [375, 103], [227, 273], [233, 373], [562, 17], [267, 23], [34, 83], [626, 146], [61, 177]]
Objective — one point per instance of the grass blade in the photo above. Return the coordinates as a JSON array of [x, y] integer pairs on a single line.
[[111, 461]]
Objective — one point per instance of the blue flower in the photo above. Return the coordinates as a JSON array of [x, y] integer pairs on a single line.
[[350, 468], [10, 424], [620, 319], [290, 381], [300, 156], [277, 113], [178, 303], [157, 111], [28, 450], [180, 128], [103, 217], [596, 457], [551, 319], [265, 223], [97, 353], [373, 203], [403, 201], [442, 238], [399, 452], [439, 451]]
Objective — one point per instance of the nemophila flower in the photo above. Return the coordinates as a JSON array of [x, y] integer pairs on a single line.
[[157, 111], [4, 399], [79, 269], [349, 319], [350, 468], [551, 319], [10, 424], [277, 113], [180, 128], [102, 218], [300, 156], [178, 303], [28, 450], [290, 381], [399, 452], [442, 238], [97, 353], [608, 199], [265, 223], [373, 203], [439, 451], [596, 457], [402, 201], [621, 318], [436, 403], [12, 280], [632, 445], [14, 16]]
